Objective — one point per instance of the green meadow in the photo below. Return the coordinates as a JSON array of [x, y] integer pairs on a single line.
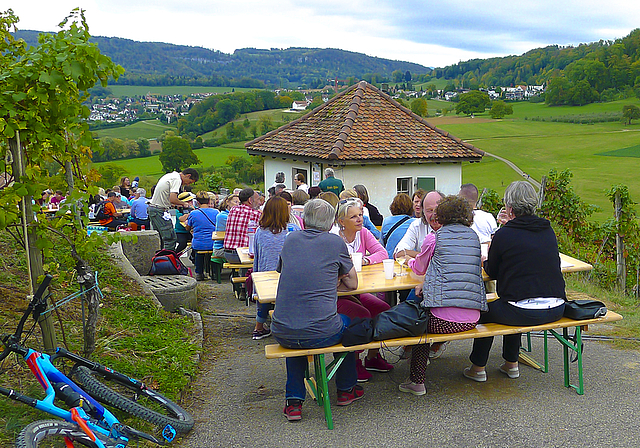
[[148, 129], [121, 91], [152, 168], [599, 155]]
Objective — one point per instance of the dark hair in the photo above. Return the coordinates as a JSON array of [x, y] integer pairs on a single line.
[[314, 192], [300, 177], [286, 196], [275, 215], [111, 194], [245, 194], [363, 194], [401, 205], [191, 172], [203, 197], [454, 210]]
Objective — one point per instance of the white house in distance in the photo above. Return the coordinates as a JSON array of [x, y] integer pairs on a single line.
[[299, 105], [370, 139]]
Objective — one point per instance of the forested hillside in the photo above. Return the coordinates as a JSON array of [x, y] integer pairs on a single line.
[[604, 65], [153, 63]]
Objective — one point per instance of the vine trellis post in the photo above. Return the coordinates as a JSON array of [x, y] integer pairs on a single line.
[[621, 268]]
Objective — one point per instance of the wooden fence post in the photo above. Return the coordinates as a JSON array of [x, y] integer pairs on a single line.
[[621, 269], [34, 256]]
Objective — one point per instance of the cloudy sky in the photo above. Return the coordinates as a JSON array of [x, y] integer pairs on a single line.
[[433, 33]]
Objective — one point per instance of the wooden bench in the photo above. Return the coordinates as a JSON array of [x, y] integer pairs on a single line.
[[237, 272], [319, 390]]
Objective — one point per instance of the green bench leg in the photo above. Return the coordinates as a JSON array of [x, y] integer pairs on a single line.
[[569, 344], [321, 385]]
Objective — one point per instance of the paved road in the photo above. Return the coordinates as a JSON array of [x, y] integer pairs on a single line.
[[515, 168], [238, 398]]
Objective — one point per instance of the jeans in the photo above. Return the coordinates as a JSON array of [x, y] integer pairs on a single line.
[[262, 311], [502, 312], [346, 376]]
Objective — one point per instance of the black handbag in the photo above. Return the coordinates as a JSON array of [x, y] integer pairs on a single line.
[[359, 331], [405, 319], [584, 309]]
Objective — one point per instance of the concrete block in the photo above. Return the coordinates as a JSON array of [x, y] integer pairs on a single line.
[[141, 252], [173, 291]]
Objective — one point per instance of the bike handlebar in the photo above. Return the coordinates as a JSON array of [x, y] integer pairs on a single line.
[[11, 340]]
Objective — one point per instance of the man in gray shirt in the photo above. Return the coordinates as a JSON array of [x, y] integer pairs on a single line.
[[313, 264]]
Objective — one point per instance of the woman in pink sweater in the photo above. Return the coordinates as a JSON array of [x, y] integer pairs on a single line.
[[358, 239]]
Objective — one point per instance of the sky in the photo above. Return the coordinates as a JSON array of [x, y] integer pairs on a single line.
[[432, 33]]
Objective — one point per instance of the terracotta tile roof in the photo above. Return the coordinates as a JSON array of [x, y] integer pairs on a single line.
[[363, 123]]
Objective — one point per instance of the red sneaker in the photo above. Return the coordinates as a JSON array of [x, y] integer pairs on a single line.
[[293, 410], [346, 397], [363, 375], [377, 364]]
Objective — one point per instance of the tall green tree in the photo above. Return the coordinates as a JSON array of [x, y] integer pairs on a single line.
[[419, 107], [474, 102], [630, 112], [177, 154], [500, 109]]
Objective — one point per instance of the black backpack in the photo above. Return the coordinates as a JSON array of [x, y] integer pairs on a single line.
[[99, 212]]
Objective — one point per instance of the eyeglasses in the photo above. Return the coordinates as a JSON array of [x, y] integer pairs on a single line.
[[344, 201]]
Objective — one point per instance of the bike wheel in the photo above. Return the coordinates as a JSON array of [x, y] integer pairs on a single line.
[[144, 403], [52, 433]]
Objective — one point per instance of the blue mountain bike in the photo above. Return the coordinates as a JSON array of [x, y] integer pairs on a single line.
[[86, 421]]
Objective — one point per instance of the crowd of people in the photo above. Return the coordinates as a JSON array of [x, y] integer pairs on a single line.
[[310, 234]]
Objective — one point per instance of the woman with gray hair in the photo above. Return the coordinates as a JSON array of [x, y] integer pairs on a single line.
[[524, 259]]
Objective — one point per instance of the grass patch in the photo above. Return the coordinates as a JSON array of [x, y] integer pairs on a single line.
[[632, 151], [152, 168], [133, 336], [148, 129]]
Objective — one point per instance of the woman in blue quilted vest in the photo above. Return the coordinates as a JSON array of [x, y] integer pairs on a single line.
[[453, 289]]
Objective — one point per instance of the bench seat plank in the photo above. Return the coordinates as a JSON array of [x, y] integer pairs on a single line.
[[482, 330]]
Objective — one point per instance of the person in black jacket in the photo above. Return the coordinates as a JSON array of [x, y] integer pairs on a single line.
[[374, 215], [524, 259]]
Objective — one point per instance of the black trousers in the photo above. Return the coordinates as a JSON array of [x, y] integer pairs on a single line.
[[501, 312]]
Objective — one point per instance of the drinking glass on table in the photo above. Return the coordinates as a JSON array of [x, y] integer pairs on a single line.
[[402, 260]]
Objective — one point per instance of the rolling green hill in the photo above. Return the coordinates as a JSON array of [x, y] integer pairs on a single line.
[[155, 63]]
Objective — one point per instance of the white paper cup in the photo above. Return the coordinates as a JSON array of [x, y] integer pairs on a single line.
[[356, 257], [484, 249], [388, 268]]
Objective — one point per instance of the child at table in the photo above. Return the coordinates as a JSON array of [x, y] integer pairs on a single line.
[[453, 289]]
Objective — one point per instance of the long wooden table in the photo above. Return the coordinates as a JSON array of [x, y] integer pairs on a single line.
[[371, 279], [243, 254], [217, 236]]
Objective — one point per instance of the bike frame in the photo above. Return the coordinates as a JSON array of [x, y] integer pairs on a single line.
[[46, 373], [41, 365]]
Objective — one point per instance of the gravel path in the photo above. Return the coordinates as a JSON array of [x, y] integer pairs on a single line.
[[237, 398]]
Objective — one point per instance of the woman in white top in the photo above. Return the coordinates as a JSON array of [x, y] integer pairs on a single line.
[[300, 182]]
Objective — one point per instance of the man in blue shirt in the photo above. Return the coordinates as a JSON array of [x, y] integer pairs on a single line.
[[138, 214]]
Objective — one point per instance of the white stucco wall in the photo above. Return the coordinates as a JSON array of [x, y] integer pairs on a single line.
[[380, 180]]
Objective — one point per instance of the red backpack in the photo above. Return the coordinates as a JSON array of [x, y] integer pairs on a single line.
[[167, 262]]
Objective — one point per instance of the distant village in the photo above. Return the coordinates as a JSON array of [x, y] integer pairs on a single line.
[[170, 107]]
